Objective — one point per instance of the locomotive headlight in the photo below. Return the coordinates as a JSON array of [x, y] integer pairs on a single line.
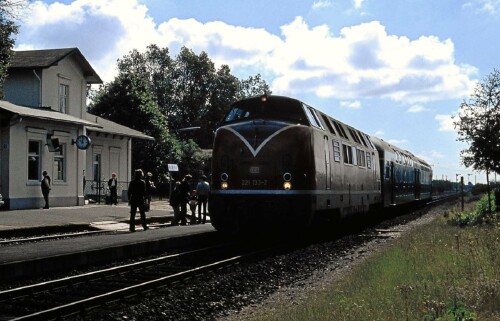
[[287, 185], [224, 185]]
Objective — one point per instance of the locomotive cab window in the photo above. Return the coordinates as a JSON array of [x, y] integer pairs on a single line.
[[313, 118], [286, 110]]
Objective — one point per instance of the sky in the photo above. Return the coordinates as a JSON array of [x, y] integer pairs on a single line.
[[398, 70]]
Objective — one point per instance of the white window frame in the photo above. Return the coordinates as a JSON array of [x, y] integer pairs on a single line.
[[59, 164], [38, 157], [63, 98]]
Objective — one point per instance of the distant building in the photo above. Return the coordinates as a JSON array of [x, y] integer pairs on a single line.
[[44, 125]]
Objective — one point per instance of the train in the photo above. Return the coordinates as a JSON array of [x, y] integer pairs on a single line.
[[279, 162]]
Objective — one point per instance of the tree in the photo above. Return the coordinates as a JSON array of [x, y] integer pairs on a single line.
[[478, 124], [8, 28], [158, 95], [253, 86]]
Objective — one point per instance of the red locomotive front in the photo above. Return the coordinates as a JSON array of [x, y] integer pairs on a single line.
[[262, 165]]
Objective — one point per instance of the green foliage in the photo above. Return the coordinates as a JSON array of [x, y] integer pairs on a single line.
[[479, 214], [7, 29], [433, 272], [159, 95], [478, 124]]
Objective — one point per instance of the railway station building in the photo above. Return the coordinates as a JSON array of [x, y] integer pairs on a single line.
[[45, 126]]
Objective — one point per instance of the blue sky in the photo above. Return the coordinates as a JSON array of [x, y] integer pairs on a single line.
[[394, 69]]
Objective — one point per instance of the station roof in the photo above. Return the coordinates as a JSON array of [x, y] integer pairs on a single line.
[[43, 113], [33, 59], [109, 127]]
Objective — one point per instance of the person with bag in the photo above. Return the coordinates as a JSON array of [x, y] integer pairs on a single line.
[[137, 197]]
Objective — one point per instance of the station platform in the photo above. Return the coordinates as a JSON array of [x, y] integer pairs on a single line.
[[26, 260]]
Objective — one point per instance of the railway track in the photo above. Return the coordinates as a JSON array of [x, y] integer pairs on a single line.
[[63, 297], [71, 295]]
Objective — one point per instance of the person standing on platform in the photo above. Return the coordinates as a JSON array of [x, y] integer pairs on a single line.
[[185, 190], [202, 190], [150, 187], [45, 185], [137, 196], [113, 185], [175, 203]]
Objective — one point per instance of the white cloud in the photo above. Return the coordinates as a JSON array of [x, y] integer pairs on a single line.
[[362, 61], [417, 109], [446, 123], [356, 104], [479, 6], [320, 4], [358, 3], [397, 142]]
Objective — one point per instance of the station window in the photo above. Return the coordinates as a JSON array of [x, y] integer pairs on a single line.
[[34, 151], [63, 98], [59, 164]]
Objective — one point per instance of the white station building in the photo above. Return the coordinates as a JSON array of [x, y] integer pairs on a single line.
[[44, 126]]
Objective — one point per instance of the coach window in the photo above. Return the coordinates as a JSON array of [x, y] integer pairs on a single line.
[[347, 154], [361, 158], [368, 160], [34, 148], [354, 155], [336, 151]]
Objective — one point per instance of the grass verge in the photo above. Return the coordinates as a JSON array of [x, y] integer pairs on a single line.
[[436, 272]]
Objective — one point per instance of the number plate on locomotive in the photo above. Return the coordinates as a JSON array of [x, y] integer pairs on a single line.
[[254, 183]]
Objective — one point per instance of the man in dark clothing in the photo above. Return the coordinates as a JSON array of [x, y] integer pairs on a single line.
[[136, 197], [175, 203], [185, 193], [202, 190], [113, 185], [45, 185]]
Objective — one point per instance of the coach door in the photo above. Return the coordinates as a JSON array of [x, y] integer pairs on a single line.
[[393, 183], [328, 168], [417, 184]]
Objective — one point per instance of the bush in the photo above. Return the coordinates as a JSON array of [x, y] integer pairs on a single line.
[[481, 213]]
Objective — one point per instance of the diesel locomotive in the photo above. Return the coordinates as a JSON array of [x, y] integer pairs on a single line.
[[279, 161]]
